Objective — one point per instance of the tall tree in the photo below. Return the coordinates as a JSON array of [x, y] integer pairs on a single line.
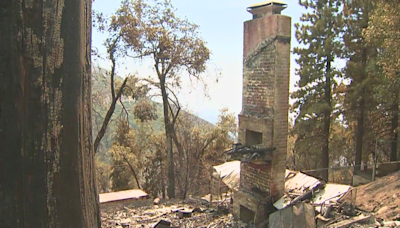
[[360, 54], [382, 32], [174, 46], [319, 36], [47, 157]]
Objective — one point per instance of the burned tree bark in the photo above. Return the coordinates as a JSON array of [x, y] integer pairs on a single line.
[[169, 140], [47, 157], [394, 127]]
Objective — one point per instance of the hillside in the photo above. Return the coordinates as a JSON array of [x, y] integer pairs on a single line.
[[381, 197], [101, 96]]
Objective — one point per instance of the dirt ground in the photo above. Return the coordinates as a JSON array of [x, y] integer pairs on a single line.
[[148, 216], [382, 197]]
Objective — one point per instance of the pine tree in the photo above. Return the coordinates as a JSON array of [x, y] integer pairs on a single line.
[[359, 96], [319, 36]]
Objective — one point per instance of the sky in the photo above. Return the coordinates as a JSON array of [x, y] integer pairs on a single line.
[[221, 26]]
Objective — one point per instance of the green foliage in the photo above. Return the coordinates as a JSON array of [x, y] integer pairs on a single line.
[[143, 149], [203, 146], [142, 142], [121, 178], [363, 105], [315, 106], [383, 32], [103, 172], [319, 34], [137, 109], [145, 110], [153, 29], [371, 98]]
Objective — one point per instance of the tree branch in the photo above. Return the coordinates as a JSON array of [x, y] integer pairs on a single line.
[[133, 171], [107, 119], [111, 51], [155, 84], [124, 109]]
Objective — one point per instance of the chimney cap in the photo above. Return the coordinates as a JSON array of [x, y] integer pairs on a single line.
[[268, 2]]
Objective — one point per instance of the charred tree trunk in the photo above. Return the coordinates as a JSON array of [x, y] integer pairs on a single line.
[[359, 134], [47, 157], [361, 114], [171, 167], [395, 126], [327, 123], [169, 140], [186, 176]]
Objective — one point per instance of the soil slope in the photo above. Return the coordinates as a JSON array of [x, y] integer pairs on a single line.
[[381, 197]]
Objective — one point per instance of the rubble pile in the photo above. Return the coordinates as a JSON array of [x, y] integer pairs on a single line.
[[343, 215], [185, 214], [306, 198], [373, 205], [334, 204]]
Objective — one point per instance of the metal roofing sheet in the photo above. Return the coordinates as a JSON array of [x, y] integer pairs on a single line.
[[331, 192], [227, 168], [297, 182], [122, 195], [230, 173]]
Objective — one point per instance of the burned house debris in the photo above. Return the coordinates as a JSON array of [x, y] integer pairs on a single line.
[[250, 153], [307, 202], [307, 199], [300, 215], [254, 188]]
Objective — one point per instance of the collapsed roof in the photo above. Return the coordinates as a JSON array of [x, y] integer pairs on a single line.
[[298, 186]]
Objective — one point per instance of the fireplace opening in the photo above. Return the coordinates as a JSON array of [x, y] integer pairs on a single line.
[[253, 138], [246, 215]]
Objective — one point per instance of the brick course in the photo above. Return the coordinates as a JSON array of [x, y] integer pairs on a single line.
[[256, 177]]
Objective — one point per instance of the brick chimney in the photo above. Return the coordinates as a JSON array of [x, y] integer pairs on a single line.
[[263, 121]]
